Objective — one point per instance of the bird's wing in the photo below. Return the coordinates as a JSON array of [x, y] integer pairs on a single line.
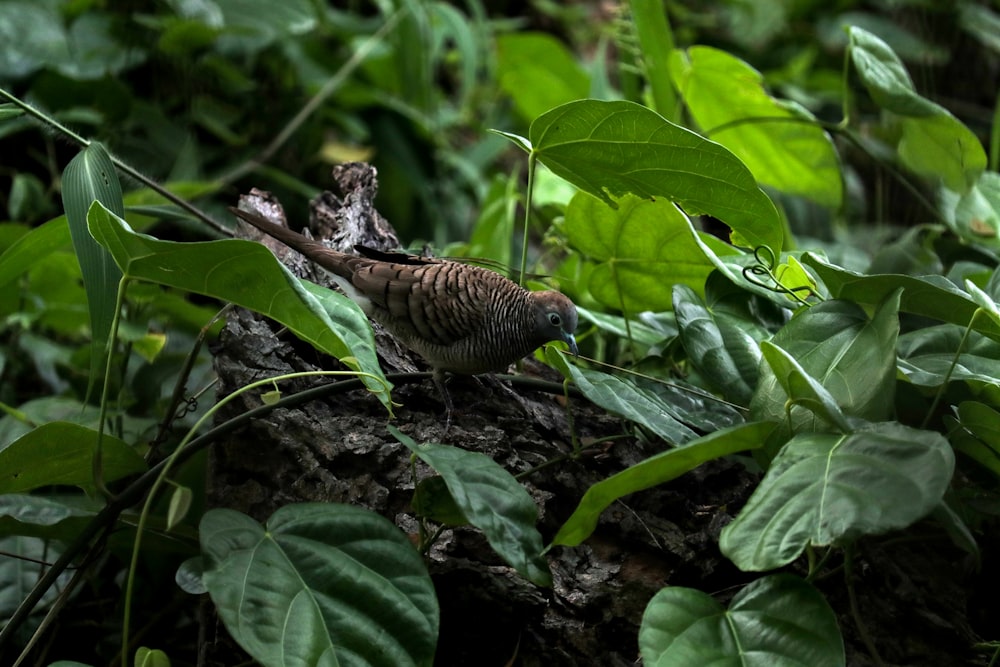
[[434, 301]]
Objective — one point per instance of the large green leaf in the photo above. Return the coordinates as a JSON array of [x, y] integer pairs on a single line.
[[538, 72], [824, 489], [60, 454], [657, 470], [718, 345], [622, 396], [323, 584], [852, 357], [931, 356], [644, 246], [612, 148], [90, 177], [801, 389], [492, 501], [28, 250], [247, 274], [779, 621], [774, 139], [934, 142], [931, 296]]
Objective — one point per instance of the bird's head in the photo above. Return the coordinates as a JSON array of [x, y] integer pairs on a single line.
[[555, 318]]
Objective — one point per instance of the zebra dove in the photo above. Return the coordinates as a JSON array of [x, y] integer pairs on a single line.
[[460, 318]]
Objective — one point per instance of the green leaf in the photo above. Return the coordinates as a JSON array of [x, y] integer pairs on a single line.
[[180, 503], [931, 296], [825, 489], [147, 657], [656, 43], [60, 454], [640, 332], [31, 248], [18, 579], [656, 470], [802, 389], [90, 177], [324, 583], [56, 408], [643, 247], [94, 50], [621, 396], [885, 75], [190, 576], [432, 500], [59, 517], [247, 274], [927, 356], [942, 147], [538, 72], [933, 143], [975, 215], [33, 36], [611, 148], [718, 345], [852, 357], [981, 426], [779, 620], [768, 135], [493, 501]]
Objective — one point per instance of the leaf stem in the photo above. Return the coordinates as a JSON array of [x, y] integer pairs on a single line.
[[951, 369]]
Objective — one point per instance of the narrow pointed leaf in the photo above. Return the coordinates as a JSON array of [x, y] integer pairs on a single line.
[[657, 470], [89, 177]]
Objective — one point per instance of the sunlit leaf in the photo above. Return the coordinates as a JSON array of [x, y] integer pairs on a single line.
[[612, 148]]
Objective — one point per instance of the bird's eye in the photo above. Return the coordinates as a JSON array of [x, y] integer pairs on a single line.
[[554, 319]]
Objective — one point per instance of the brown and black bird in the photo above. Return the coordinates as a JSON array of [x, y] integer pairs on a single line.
[[460, 318]]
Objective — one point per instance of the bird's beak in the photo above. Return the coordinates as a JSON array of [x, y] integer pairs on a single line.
[[571, 341]]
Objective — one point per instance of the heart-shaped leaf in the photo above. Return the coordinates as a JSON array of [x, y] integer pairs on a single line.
[[823, 488], [780, 621], [323, 584]]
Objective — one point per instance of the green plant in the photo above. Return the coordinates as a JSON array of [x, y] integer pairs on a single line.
[[826, 371]]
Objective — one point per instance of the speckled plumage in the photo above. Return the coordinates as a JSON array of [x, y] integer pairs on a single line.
[[460, 318]]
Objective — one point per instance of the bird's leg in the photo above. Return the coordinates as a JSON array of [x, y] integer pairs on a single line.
[[439, 381]]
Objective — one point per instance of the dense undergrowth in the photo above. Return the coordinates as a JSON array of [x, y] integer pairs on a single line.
[[842, 326]]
